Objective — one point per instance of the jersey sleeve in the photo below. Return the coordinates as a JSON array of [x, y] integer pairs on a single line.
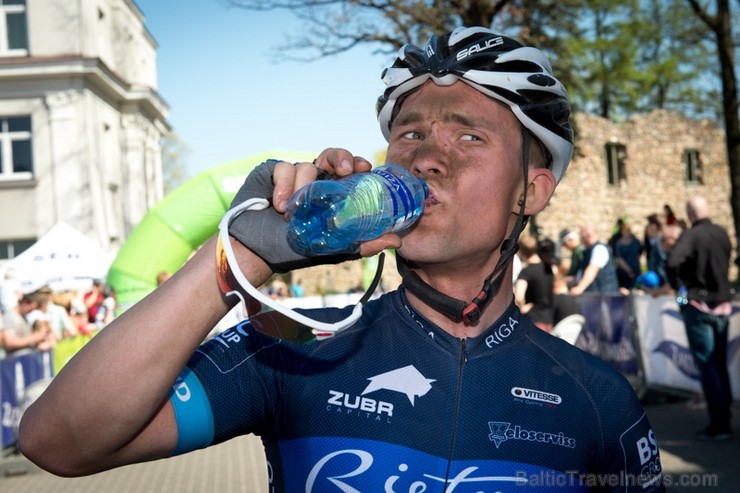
[[632, 458], [227, 389], [193, 413], [641, 457]]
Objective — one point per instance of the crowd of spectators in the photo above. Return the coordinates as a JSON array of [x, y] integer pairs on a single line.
[[628, 261], [38, 319]]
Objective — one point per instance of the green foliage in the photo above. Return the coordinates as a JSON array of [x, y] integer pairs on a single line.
[[616, 57], [174, 165], [634, 56]]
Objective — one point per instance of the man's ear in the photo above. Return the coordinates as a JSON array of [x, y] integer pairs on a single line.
[[540, 190]]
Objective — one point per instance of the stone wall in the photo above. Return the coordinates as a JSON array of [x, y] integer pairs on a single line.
[[655, 145]]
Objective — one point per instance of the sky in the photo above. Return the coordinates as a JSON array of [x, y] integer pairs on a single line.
[[228, 99]]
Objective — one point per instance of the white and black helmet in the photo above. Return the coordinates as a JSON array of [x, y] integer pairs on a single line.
[[499, 67]]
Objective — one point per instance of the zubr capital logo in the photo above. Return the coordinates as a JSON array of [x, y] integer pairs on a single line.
[[407, 380]]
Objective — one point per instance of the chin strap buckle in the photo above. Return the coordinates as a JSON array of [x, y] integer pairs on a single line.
[[471, 312]]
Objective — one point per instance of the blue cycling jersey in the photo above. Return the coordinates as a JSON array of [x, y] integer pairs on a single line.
[[395, 404]]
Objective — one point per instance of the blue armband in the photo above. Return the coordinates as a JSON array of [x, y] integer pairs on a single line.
[[193, 414]]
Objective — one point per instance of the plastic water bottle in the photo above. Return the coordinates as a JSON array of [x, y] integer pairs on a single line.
[[332, 216]]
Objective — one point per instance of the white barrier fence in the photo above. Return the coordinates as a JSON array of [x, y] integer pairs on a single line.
[[664, 350]]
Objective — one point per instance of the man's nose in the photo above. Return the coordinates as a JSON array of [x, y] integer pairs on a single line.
[[431, 158]]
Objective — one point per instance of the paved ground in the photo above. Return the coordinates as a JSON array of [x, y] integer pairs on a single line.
[[691, 466], [238, 465]]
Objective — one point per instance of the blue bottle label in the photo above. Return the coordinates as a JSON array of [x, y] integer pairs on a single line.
[[399, 192]]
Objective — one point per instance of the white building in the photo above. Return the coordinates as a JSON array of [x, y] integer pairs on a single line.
[[80, 120]]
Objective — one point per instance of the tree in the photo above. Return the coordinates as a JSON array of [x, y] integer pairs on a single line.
[[677, 61], [174, 166], [604, 53], [633, 56], [616, 57], [719, 23], [336, 26]]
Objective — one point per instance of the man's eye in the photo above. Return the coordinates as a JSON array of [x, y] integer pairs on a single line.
[[412, 135], [470, 137]]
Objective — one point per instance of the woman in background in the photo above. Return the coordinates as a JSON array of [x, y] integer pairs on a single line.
[[533, 289]]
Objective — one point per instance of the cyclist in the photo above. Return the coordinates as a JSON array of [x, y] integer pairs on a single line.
[[440, 385]]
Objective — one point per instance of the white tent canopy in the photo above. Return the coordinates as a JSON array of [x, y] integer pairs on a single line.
[[63, 259]]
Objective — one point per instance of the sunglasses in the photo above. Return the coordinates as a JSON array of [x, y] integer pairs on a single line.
[[265, 314]]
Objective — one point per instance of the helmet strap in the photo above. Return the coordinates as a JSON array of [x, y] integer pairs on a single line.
[[459, 310]]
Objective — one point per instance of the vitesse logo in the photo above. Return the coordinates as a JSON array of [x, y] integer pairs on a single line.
[[536, 395]]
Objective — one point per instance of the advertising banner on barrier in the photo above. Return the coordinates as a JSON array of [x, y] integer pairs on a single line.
[[664, 349], [17, 376], [608, 331]]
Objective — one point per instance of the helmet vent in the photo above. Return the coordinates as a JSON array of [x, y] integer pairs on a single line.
[[541, 80]]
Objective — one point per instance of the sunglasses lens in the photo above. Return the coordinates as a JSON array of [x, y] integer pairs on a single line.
[[275, 324], [262, 318]]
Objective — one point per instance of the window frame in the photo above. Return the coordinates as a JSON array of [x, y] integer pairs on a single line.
[[615, 158], [10, 249], [7, 138], [5, 50], [692, 166]]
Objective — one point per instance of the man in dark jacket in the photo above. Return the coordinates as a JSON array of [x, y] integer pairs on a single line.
[[700, 262]]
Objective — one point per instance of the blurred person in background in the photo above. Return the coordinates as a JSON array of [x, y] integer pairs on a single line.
[[93, 299], [10, 291], [162, 276], [596, 271], [57, 315], [627, 251], [700, 262], [18, 336], [106, 311], [533, 289], [651, 235], [570, 260], [658, 259]]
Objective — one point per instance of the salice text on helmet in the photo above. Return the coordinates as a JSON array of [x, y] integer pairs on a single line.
[[489, 43]]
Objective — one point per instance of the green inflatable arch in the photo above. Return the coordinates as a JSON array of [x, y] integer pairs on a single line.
[[174, 228]]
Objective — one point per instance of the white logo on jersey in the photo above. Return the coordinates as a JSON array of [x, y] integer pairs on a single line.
[[181, 390], [500, 333], [341, 466], [501, 431], [407, 380], [536, 395]]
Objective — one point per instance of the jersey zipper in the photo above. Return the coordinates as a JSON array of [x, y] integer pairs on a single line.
[[458, 397]]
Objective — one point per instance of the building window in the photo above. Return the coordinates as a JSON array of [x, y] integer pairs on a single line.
[[13, 28], [616, 155], [16, 160], [692, 165], [10, 249]]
